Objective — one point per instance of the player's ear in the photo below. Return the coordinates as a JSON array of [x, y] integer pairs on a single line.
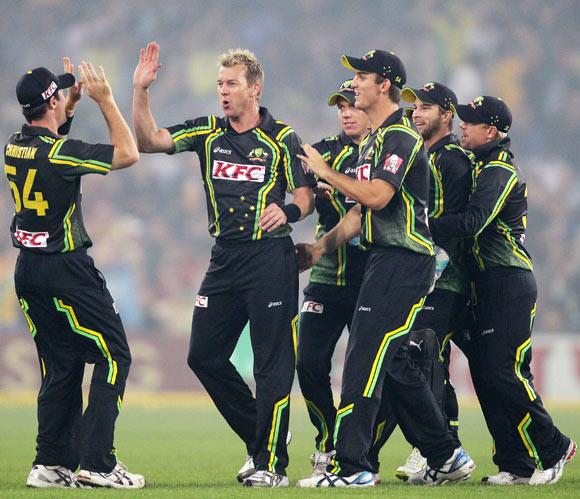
[[257, 90], [385, 86]]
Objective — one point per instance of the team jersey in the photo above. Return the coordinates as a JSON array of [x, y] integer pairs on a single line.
[[243, 172], [395, 153], [451, 181], [44, 173], [345, 266], [496, 215]]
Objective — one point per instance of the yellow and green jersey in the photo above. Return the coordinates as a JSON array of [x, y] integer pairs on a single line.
[[345, 266], [395, 153], [44, 174], [496, 216], [243, 172], [451, 181]]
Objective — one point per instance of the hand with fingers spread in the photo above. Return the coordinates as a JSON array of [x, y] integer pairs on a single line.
[[146, 71], [272, 218], [75, 92], [314, 160], [97, 86]]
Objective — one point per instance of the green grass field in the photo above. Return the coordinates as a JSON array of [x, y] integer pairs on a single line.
[[187, 451]]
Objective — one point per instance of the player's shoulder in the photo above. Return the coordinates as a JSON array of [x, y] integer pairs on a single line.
[[281, 130], [402, 130], [455, 153]]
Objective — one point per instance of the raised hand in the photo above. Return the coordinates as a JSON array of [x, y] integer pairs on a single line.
[[97, 86], [76, 91], [146, 71], [314, 161]]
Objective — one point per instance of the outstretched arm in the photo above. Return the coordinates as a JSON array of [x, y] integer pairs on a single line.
[[149, 137], [125, 150]]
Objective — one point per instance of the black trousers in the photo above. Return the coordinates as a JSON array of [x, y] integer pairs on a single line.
[[448, 314], [393, 291], [523, 432], [73, 321], [255, 281], [325, 312]]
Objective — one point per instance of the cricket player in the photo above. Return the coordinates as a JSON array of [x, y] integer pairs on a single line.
[[331, 295], [248, 163], [399, 273], [64, 298], [529, 448]]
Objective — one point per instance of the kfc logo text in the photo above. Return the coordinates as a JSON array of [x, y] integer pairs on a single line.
[[313, 307], [201, 301], [363, 172], [31, 239], [239, 173]]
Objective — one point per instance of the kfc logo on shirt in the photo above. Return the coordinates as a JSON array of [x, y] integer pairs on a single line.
[[31, 239], [363, 172], [201, 301], [392, 163], [239, 173], [313, 307]]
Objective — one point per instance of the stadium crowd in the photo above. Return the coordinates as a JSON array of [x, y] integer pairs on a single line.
[[150, 222]]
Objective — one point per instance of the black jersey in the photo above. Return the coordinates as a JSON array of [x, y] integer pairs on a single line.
[[497, 211], [43, 172], [395, 153], [243, 172], [345, 266], [451, 181]]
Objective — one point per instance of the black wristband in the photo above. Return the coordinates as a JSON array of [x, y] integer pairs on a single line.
[[292, 212], [64, 129]]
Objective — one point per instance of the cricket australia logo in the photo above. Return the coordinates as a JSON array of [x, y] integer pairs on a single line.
[[477, 102], [258, 154], [429, 86], [369, 55]]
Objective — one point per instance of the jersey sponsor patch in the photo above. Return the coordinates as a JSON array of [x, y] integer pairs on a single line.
[[313, 307], [201, 301], [392, 163], [239, 173], [363, 172], [31, 239]]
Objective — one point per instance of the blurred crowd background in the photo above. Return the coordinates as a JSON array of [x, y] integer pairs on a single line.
[[149, 223]]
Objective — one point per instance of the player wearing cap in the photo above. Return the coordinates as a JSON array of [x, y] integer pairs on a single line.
[[331, 295], [248, 162], [399, 272], [446, 311], [64, 298], [495, 217]]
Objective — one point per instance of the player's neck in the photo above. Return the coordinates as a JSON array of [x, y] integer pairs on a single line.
[[379, 113], [47, 121], [247, 120], [436, 137]]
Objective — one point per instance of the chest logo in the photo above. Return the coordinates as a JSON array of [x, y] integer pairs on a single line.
[[363, 172], [239, 173], [258, 154]]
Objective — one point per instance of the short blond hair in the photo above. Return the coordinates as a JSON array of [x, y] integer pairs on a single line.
[[233, 57]]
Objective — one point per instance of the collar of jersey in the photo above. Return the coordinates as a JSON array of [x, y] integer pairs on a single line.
[[38, 130], [485, 150], [266, 122], [448, 139], [393, 118]]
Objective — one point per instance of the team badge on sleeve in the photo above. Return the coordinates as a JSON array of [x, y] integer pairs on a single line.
[[392, 163]]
